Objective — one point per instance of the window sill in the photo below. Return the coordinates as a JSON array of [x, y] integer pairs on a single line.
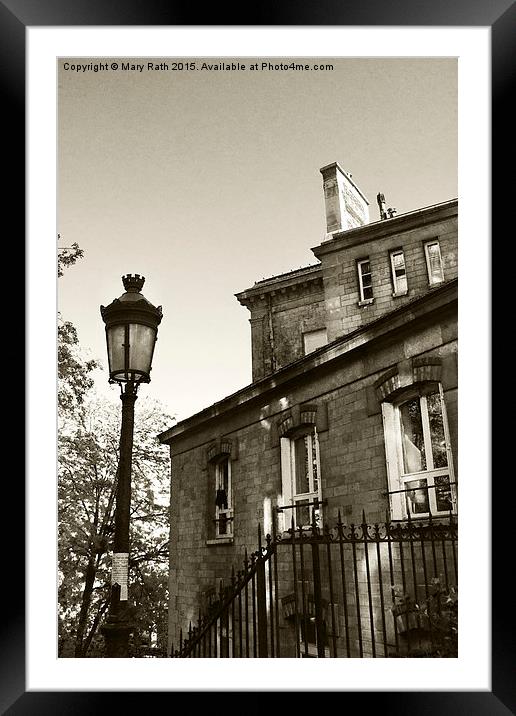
[[404, 521], [219, 540], [397, 294], [366, 302]]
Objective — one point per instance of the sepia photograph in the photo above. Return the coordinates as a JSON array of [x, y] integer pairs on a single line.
[[257, 357], [244, 428]]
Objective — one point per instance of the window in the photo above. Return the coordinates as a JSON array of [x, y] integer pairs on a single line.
[[223, 497], [365, 282], [314, 339], [434, 263], [419, 460], [300, 469], [399, 274], [308, 637]]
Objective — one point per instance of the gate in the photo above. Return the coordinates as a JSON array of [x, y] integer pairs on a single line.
[[380, 590]]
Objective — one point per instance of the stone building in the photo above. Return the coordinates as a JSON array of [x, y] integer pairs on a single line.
[[352, 408]]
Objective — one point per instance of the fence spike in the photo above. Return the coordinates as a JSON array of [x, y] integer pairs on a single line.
[[259, 538], [363, 517]]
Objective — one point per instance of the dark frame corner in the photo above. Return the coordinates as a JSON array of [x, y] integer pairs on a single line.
[[500, 16]]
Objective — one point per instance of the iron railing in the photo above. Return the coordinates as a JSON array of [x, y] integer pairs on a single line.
[[358, 590]]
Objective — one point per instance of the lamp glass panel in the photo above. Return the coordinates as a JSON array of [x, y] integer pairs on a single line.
[[141, 342], [115, 344]]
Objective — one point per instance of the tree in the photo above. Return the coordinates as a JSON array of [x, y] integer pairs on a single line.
[[87, 484]]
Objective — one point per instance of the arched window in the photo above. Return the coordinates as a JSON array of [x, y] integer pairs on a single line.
[[223, 498], [418, 451], [221, 455], [301, 477]]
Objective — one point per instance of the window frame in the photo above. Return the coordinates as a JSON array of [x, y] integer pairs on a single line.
[[362, 298], [397, 291], [431, 280], [227, 511], [290, 496], [397, 478]]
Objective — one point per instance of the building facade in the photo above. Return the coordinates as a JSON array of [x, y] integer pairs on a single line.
[[352, 411]]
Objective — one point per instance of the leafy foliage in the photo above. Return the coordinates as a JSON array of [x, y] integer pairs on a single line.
[[67, 256], [73, 369], [433, 621]]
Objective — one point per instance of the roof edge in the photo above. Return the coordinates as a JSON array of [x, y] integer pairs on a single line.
[[335, 349]]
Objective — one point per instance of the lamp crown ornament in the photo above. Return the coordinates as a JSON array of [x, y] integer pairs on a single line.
[[133, 284]]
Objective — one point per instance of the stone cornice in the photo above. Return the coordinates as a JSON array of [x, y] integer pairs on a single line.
[[435, 300], [386, 227], [283, 283]]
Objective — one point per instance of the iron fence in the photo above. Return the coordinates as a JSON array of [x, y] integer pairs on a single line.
[[359, 590]]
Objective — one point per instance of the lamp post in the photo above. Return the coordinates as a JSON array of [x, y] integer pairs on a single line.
[[131, 331]]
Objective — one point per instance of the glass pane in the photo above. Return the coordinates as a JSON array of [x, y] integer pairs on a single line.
[[141, 340], [308, 631], [434, 262], [116, 349], [301, 447], [435, 418], [443, 495], [315, 473], [417, 499], [223, 524], [303, 513], [414, 459], [368, 292], [365, 268], [398, 261], [366, 280], [223, 475]]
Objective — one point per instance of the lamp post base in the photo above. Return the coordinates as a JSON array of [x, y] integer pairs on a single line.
[[116, 632], [117, 627]]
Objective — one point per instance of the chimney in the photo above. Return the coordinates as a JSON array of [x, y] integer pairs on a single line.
[[346, 206], [381, 205], [384, 213]]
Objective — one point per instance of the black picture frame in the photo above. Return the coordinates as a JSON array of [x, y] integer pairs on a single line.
[[500, 16]]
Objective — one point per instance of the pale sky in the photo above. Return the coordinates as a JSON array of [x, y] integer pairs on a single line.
[[205, 182]]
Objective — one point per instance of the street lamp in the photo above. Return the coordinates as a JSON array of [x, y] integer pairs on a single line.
[[131, 330]]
